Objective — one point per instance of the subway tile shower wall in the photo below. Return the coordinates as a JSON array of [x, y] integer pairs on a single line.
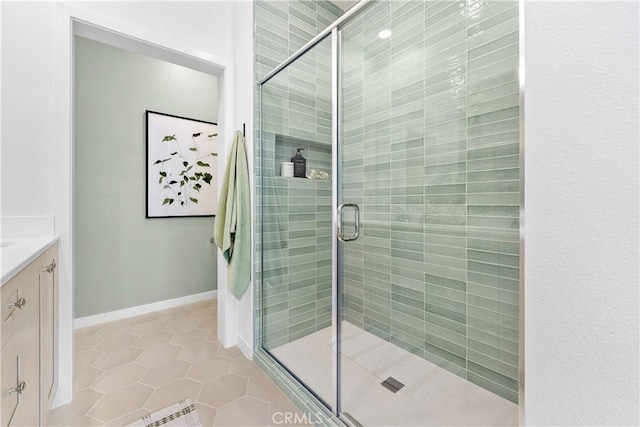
[[430, 149]]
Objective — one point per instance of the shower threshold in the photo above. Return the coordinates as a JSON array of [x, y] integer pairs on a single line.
[[430, 396]]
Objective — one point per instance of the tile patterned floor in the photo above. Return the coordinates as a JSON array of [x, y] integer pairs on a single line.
[[126, 369]]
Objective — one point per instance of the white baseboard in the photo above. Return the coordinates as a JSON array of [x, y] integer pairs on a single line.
[[110, 316], [245, 348]]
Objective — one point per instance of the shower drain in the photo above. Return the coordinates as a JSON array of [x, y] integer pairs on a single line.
[[392, 384]]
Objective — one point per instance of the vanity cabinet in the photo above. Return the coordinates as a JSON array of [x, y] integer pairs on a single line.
[[29, 338]]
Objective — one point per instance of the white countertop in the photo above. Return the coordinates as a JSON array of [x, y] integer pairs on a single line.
[[17, 253]]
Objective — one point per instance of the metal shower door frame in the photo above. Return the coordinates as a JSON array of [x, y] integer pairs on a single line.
[[334, 31]]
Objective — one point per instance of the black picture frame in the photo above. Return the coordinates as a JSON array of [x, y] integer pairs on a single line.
[[181, 166]]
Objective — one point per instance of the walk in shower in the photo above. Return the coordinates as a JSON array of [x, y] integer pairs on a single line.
[[389, 286]]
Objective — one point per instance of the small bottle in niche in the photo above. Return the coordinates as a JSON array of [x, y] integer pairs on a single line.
[[299, 165]]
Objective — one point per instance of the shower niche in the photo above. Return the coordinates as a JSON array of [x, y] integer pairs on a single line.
[[317, 154]]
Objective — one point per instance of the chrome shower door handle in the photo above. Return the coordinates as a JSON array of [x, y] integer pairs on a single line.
[[356, 211]]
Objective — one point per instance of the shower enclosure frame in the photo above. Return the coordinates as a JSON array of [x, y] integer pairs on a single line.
[[281, 373]]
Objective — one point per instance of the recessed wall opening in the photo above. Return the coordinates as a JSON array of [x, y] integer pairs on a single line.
[[75, 24], [123, 259]]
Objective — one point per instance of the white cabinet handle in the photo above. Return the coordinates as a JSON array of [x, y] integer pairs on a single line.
[[18, 389]]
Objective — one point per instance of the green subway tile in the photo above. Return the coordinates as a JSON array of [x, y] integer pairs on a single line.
[[495, 56], [406, 341], [493, 387], [493, 305], [444, 344], [492, 164], [407, 293], [444, 355], [449, 251], [373, 316], [442, 10], [409, 325], [445, 261], [507, 343], [503, 380], [439, 332], [403, 280], [502, 324], [492, 187], [495, 281], [379, 329], [486, 106], [445, 158], [512, 198], [456, 274], [494, 258], [493, 222], [498, 80], [495, 359], [406, 273], [268, 310], [502, 11], [302, 270], [495, 44], [410, 255], [482, 131], [495, 270], [442, 292], [300, 297], [441, 311], [398, 306]]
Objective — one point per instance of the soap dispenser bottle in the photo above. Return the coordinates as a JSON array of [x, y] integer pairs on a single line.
[[299, 165]]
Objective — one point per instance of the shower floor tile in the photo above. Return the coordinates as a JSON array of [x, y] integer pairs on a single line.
[[431, 395]]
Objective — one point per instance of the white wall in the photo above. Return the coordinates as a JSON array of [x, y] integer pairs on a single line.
[[581, 213], [27, 109], [243, 113], [28, 81]]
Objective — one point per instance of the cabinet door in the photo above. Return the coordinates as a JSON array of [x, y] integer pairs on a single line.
[[20, 361], [48, 333], [10, 379]]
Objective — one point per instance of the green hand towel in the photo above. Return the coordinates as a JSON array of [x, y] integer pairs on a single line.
[[232, 227]]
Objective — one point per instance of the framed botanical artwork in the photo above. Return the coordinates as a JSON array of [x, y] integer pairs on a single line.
[[181, 166]]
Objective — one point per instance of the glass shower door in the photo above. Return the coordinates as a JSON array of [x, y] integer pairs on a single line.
[[295, 220], [428, 178]]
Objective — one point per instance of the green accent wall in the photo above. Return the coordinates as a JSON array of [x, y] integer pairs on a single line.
[[122, 259]]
